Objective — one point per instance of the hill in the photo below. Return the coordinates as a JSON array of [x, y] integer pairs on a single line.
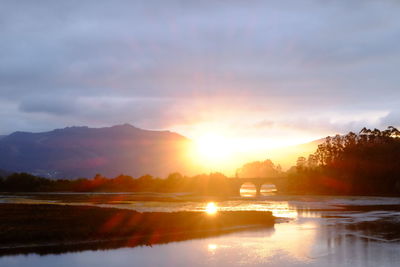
[[82, 152]]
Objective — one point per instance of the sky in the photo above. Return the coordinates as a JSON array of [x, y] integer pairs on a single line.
[[260, 73]]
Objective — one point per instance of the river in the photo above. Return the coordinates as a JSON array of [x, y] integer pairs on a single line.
[[310, 231]]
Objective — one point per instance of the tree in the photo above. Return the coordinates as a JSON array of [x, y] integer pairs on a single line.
[[301, 163], [363, 163], [259, 169]]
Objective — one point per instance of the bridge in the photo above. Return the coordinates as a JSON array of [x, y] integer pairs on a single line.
[[236, 183]]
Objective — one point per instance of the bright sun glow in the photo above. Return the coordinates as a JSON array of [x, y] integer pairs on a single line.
[[216, 149], [211, 208], [213, 148]]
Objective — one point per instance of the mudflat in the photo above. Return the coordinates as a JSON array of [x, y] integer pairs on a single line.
[[44, 228]]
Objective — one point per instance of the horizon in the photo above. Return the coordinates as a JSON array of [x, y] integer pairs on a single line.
[[215, 155]]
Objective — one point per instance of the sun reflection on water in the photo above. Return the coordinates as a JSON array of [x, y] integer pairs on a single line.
[[211, 208], [278, 209], [282, 210], [212, 247]]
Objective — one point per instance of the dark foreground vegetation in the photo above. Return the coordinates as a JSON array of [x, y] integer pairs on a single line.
[[56, 228], [367, 163], [206, 184]]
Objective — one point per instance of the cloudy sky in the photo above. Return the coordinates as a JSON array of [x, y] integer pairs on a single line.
[[245, 69]]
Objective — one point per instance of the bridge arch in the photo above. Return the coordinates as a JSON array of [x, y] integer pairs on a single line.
[[268, 188], [248, 189], [252, 188], [273, 182]]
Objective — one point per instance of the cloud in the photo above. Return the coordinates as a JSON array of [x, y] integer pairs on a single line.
[[56, 106], [167, 64], [392, 119]]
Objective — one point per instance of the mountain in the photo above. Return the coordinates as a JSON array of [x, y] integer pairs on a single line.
[[82, 152]]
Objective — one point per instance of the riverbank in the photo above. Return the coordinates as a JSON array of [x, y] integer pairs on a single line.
[[43, 228]]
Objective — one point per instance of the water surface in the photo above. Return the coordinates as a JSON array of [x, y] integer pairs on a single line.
[[312, 231]]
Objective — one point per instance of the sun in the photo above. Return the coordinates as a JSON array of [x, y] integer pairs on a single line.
[[213, 148]]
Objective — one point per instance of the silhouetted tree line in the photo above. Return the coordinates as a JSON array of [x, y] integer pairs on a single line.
[[205, 184], [215, 184], [367, 163]]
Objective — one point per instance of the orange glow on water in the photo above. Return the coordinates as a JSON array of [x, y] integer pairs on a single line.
[[212, 247], [211, 208], [248, 190]]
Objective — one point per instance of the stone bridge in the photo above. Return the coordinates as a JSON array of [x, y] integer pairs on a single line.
[[237, 183]]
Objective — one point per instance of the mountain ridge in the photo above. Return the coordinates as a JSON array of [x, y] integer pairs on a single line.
[[81, 151]]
